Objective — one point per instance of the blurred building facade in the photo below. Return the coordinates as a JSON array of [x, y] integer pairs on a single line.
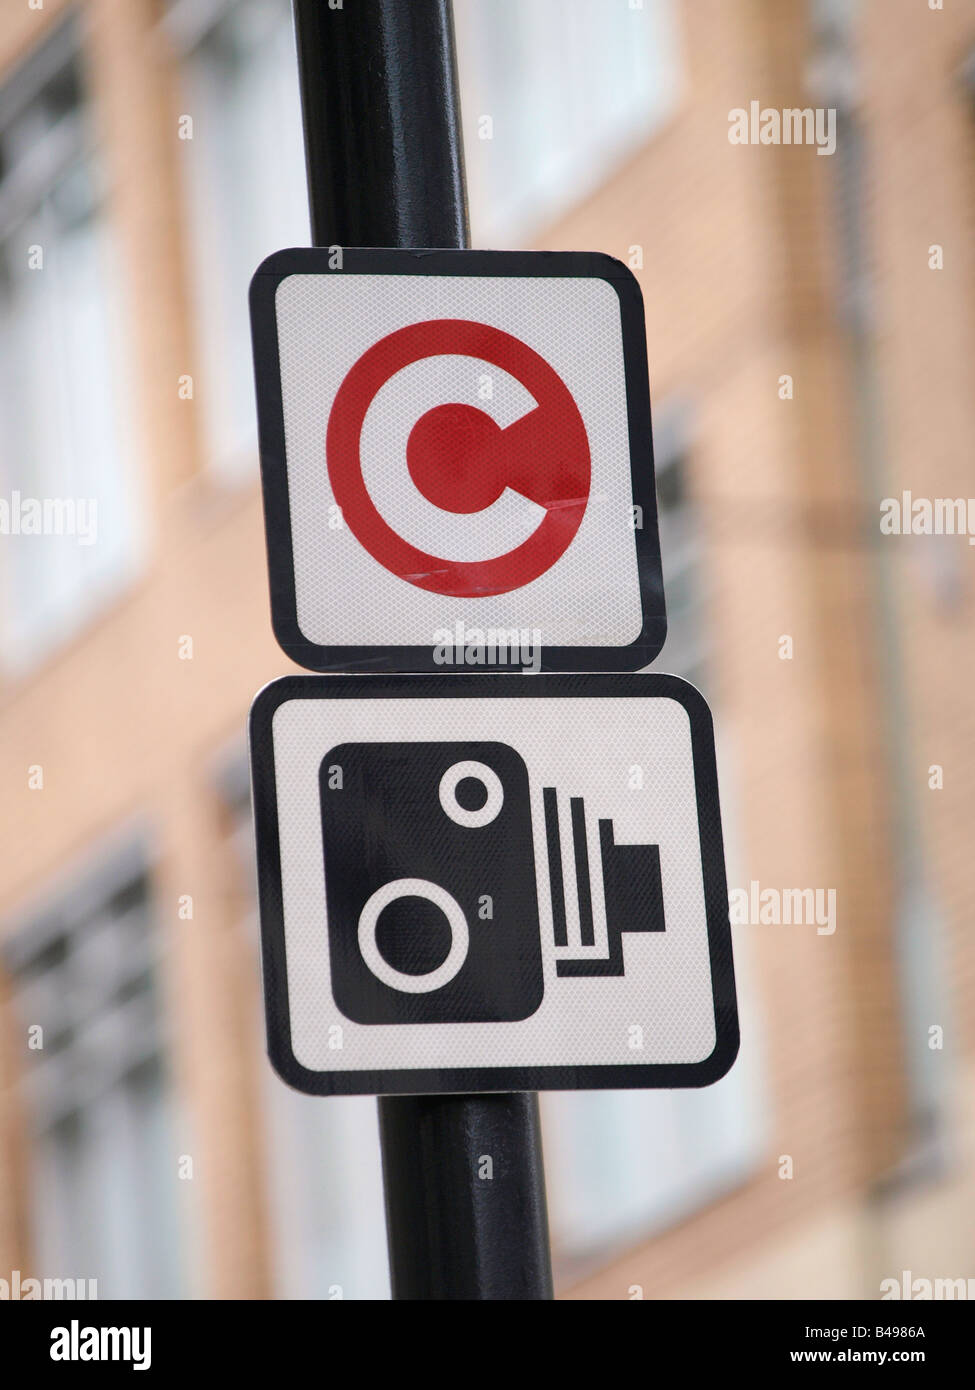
[[811, 325]]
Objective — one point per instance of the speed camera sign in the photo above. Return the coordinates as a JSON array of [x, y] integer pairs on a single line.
[[453, 899], [456, 460]]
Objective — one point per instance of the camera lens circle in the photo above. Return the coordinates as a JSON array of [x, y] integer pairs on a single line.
[[377, 962], [456, 783], [471, 794]]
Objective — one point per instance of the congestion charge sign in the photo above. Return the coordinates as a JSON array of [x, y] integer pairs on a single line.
[[456, 460], [462, 460]]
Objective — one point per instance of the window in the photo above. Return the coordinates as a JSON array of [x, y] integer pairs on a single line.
[[66, 517], [621, 1165], [323, 1163], [917, 926], [104, 1167], [245, 181], [555, 94], [679, 545]]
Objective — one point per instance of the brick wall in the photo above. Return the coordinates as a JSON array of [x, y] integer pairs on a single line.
[[741, 283]]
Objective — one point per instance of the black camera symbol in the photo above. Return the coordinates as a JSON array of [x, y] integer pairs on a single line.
[[431, 890], [632, 889], [430, 883]]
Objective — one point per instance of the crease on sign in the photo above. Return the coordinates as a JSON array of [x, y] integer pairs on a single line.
[[571, 502]]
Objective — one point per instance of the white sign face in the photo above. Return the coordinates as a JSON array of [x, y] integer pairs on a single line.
[[454, 899], [456, 458]]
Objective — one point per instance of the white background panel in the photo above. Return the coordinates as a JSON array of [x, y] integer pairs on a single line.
[[583, 747], [590, 596]]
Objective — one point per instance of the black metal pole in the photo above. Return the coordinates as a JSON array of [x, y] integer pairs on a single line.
[[382, 123], [465, 1193], [465, 1197]]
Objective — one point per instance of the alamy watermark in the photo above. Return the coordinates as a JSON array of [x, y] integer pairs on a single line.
[[806, 125], [756, 906], [908, 515], [916, 1290], [23, 1288], [78, 1343], [492, 646], [49, 516]]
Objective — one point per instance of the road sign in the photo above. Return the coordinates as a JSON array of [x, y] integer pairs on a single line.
[[488, 884], [456, 460]]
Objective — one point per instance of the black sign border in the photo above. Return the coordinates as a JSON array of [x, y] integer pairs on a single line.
[[274, 477], [453, 1080]]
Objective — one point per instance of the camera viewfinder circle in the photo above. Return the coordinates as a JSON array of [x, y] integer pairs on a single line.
[[471, 771]]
